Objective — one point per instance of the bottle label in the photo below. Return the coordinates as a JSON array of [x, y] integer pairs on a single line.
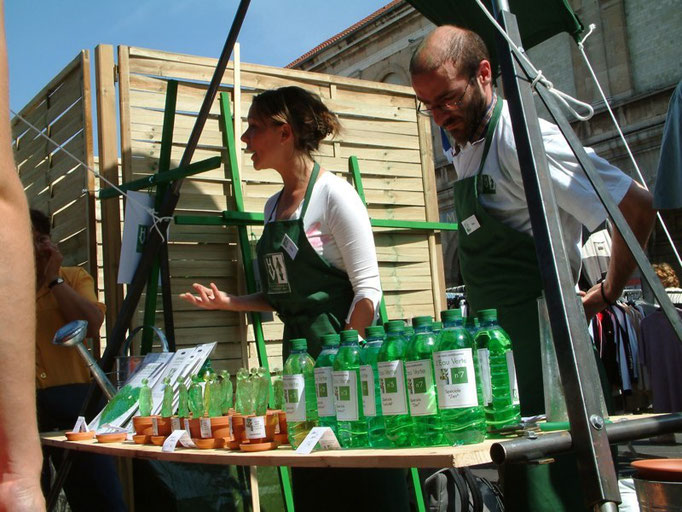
[[294, 396], [155, 426], [346, 395], [486, 383], [455, 378], [254, 427], [369, 405], [392, 388], [420, 388], [513, 383], [324, 390]]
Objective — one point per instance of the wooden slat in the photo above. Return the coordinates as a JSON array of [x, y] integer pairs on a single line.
[[108, 167]]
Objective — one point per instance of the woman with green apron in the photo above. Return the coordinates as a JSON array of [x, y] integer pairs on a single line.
[[318, 270]]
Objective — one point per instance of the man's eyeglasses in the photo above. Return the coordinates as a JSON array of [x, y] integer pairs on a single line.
[[447, 105]]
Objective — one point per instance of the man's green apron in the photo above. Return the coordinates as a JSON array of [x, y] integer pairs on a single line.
[[500, 270], [312, 298]]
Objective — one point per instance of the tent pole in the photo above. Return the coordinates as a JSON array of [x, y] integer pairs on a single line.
[[576, 362]]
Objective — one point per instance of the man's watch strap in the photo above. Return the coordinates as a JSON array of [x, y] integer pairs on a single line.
[[55, 282]]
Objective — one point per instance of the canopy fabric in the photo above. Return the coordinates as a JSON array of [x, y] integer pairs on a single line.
[[538, 19]]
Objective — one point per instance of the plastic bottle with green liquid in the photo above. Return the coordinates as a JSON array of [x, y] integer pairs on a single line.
[[393, 385], [299, 392], [145, 399], [369, 380], [324, 386], [167, 402], [351, 422], [460, 398], [502, 396], [421, 384]]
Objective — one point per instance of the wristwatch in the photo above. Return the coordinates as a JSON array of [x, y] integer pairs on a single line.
[[55, 282]]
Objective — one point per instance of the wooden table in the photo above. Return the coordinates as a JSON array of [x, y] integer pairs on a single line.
[[432, 457]]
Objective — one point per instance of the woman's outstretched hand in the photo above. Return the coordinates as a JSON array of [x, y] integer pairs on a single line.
[[209, 298]]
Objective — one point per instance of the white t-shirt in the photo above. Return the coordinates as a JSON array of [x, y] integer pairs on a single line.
[[338, 228], [577, 201]]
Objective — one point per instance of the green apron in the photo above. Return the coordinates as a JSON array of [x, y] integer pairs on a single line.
[[312, 298], [500, 270]]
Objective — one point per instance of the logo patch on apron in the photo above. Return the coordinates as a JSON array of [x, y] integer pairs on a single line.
[[486, 184], [278, 281]]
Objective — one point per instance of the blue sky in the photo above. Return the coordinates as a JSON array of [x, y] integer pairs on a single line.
[[43, 36]]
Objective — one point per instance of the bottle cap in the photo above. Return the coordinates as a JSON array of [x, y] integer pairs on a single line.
[[299, 344], [450, 315], [437, 325], [349, 335], [420, 321], [395, 326], [330, 340], [375, 331], [487, 315]]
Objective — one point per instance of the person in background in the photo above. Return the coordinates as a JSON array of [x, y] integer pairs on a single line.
[[662, 351], [670, 282], [318, 268], [453, 80], [64, 294], [20, 458]]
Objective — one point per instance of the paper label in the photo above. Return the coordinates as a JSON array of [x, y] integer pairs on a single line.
[[294, 397], [455, 378], [392, 388], [513, 383], [484, 368], [346, 395], [322, 435], [289, 246], [177, 436], [205, 427], [255, 427], [324, 391], [155, 426], [186, 422], [175, 424], [420, 388], [470, 224], [369, 405], [81, 425]]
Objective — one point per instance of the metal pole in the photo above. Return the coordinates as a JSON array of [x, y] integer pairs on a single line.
[[556, 443], [170, 201], [576, 362]]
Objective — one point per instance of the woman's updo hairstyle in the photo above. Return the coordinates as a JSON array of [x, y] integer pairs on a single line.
[[310, 120]]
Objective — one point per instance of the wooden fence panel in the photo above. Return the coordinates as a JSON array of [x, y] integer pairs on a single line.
[[381, 128], [54, 181]]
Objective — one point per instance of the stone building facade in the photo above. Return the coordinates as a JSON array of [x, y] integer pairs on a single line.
[[634, 52]]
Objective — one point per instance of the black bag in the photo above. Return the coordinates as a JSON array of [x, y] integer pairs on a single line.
[[459, 490]]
